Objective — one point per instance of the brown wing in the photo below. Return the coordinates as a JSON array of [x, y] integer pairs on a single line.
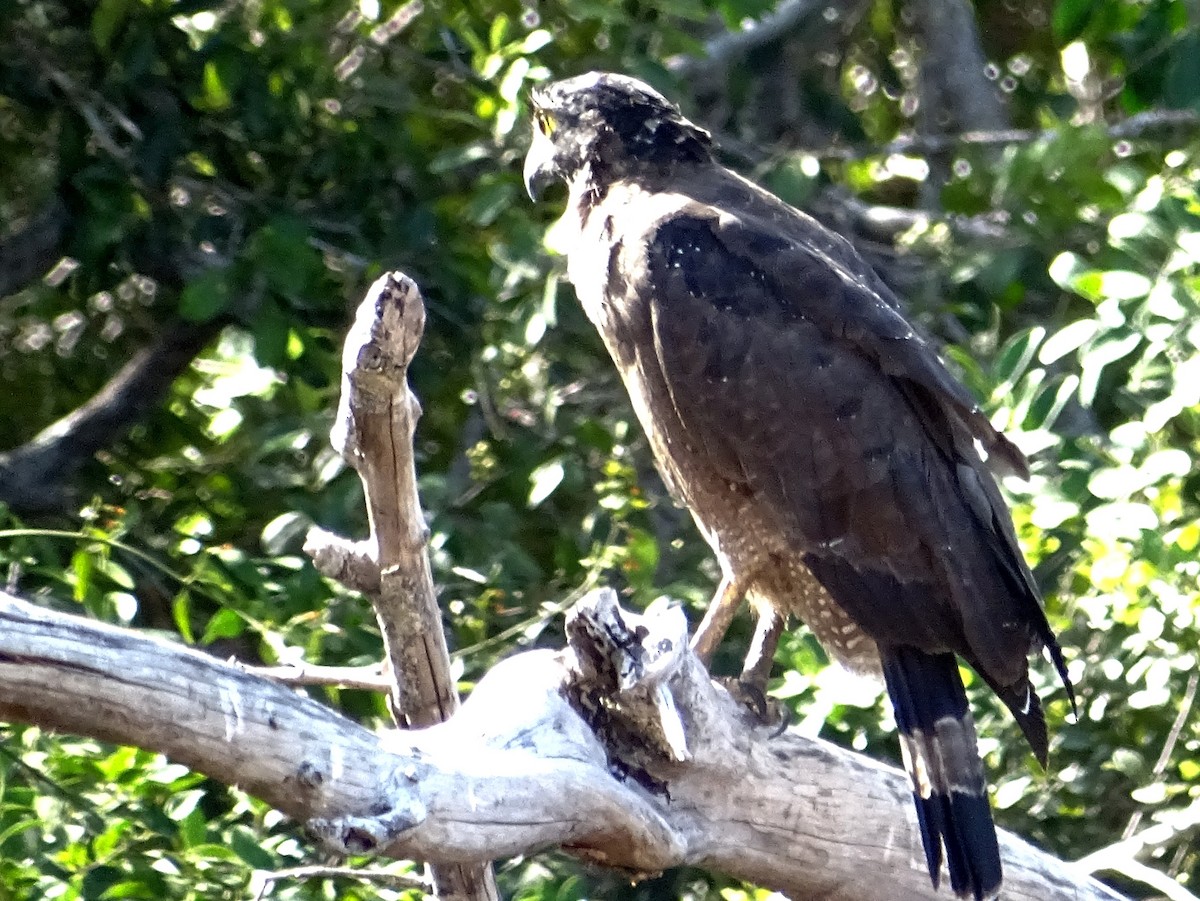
[[802, 383]]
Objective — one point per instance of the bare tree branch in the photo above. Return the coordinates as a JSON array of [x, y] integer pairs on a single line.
[[1171, 826], [29, 252], [1184, 121], [663, 768], [352, 563], [728, 48], [363, 678], [376, 418], [956, 94], [262, 883], [1156, 879], [34, 476]]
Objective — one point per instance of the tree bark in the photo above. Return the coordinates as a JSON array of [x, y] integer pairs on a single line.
[[29, 252], [34, 478], [620, 750], [377, 416]]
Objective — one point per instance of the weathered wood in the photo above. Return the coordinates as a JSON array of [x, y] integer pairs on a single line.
[[377, 416], [518, 769]]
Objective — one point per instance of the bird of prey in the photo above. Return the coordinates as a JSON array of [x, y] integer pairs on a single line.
[[840, 473]]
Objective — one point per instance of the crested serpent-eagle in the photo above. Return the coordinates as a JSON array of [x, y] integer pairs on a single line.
[[840, 473]]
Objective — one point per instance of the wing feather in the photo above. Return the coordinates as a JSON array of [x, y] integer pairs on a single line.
[[811, 390]]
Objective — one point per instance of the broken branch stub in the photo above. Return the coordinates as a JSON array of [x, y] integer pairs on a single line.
[[785, 812], [377, 416]]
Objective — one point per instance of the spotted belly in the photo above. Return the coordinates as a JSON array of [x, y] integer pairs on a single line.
[[775, 576], [783, 583]]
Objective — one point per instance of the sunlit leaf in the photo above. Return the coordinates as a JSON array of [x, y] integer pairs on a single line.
[[1067, 340], [544, 480], [225, 624], [217, 95]]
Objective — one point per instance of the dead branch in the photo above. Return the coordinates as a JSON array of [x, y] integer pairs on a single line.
[[352, 563], [376, 418], [620, 750], [361, 678], [262, 883]]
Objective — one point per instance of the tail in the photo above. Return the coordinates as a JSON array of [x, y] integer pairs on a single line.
[[937, 738]]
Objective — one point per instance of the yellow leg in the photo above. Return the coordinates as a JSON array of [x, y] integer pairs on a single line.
[[716, 621], [761, 655]]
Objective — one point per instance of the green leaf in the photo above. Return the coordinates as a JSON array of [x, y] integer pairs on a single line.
[[514, 79], [498, 35], [118, 573], [83, 568], [130, 889], [213, 852], [281, 251], [193, 825], [1105, 351], [490, 200], [1119, 284], [1067, 340], [107, 19], [217, 95], [206, 297], [1155, 793], [181, 613], [246, 845], [458, 157], [572, 889], [284, 530], [106, 842], [1017, 354], [225, 623], [1065, 268], [1121, 520], [536, 40], [183, 804]]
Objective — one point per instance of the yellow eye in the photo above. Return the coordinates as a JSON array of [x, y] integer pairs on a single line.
[[545, 122]]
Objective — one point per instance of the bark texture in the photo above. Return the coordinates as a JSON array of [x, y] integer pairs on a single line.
[[620, 750]]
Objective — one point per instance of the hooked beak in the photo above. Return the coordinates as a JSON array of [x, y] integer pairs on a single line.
[[540, 168]]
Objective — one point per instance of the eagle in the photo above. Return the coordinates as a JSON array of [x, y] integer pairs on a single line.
[[840, 473]]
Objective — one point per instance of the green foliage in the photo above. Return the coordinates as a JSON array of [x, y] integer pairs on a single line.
[[250, 168]]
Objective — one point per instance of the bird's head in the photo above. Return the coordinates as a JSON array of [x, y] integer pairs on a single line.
[[601, 126]]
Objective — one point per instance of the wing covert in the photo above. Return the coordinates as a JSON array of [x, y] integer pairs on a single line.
[[811, 391]]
